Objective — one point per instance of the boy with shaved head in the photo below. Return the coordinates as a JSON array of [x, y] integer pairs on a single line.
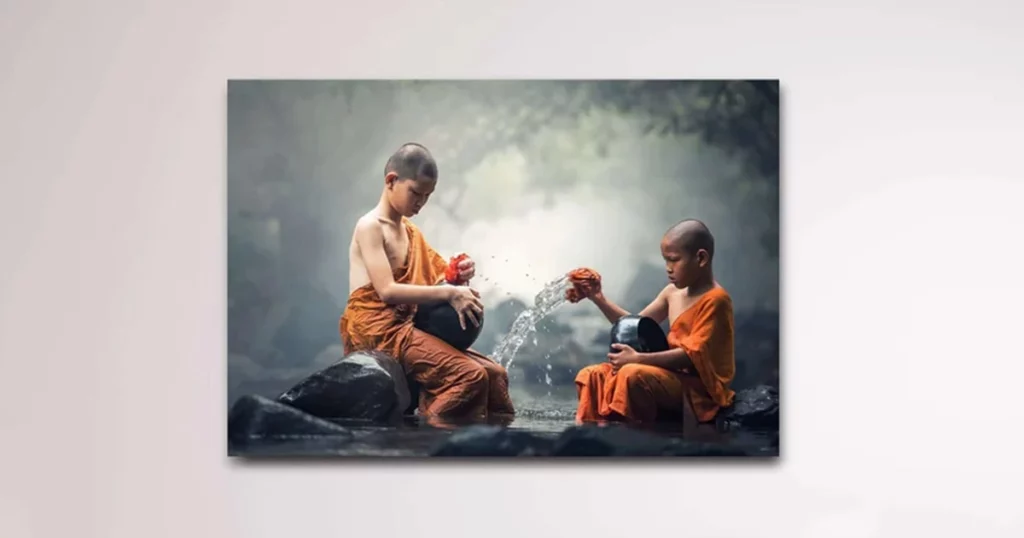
[[392, 271], [691, 378]]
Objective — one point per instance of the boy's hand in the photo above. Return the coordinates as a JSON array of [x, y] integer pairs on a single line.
[[625, 355], [466, 302], [586, 284], [467, 269]]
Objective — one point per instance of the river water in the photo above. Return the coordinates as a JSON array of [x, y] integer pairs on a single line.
[[544, 411]]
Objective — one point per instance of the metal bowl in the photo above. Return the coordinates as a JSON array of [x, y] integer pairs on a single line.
[[441, 320], [640, 333]]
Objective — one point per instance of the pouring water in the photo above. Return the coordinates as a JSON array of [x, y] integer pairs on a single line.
[[550, 297]]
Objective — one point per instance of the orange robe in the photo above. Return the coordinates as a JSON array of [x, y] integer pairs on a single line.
[[639, 393], [452, 383]]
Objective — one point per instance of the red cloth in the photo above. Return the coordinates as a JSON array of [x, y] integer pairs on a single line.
[[585, 282]]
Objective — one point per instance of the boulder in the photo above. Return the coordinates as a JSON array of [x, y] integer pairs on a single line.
[[255, 418], [492, 441], [363, 385], [755, 409], [622, 441], [612, 440]]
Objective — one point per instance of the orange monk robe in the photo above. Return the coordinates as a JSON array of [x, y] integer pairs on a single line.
[[452, 383], [706, 331], [637, 392]]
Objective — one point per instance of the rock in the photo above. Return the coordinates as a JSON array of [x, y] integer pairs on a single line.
[[612, 440], [622, 441], [492, 441], [682, 448], [360, 386], [755, 409], [255, 418]]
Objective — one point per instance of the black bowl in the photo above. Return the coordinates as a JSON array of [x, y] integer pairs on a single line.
[[640, 333], [441, 320]]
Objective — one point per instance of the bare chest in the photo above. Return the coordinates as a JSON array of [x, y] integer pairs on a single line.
[[678, 303], [396, 246]]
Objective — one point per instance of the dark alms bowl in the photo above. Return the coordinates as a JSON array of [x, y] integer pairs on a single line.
[[441, 320], [640, 333]]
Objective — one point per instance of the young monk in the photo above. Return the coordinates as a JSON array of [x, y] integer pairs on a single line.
[[692, 378], [392, 270]]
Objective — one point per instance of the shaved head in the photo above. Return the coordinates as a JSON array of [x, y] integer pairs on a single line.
[[690, 236], [412, 161]]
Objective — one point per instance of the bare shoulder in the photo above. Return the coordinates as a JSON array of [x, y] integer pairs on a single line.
[[368, 220], [367, 225]]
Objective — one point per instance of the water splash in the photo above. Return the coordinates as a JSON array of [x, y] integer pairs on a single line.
[[550, 297]]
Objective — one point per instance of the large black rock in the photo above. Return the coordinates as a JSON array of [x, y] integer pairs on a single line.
[[608, 441], [255, 418], [363, 385], [755, 409], [622, 441], [492, 441]]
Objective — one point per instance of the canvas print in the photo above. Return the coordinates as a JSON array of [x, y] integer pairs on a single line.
[[504, 268]]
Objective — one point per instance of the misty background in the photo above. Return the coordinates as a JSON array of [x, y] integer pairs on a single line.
[[536, 178]]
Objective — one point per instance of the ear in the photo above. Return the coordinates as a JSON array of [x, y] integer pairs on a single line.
[[703, 258], [390, 178]]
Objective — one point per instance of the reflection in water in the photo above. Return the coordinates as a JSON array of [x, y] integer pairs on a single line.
[[541, 415], [542, 410]]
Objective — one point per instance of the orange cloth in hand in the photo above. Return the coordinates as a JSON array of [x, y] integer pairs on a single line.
[[452, 383], [451, 273], [584, 281]]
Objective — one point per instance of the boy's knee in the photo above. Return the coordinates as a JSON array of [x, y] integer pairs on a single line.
[[474, 376], [587, 373], [497, 371], [632, 373]]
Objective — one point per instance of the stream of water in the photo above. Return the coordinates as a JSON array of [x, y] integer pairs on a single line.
[[550, 297]]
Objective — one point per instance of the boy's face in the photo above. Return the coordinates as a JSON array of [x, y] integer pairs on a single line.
[[683, 268], [408, 196]]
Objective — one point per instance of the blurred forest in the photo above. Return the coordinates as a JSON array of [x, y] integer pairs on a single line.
[[537, 178]]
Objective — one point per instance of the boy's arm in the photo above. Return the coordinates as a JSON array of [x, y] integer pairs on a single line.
[[610, 310], [657, 310], [370, 241], [673, 359]]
